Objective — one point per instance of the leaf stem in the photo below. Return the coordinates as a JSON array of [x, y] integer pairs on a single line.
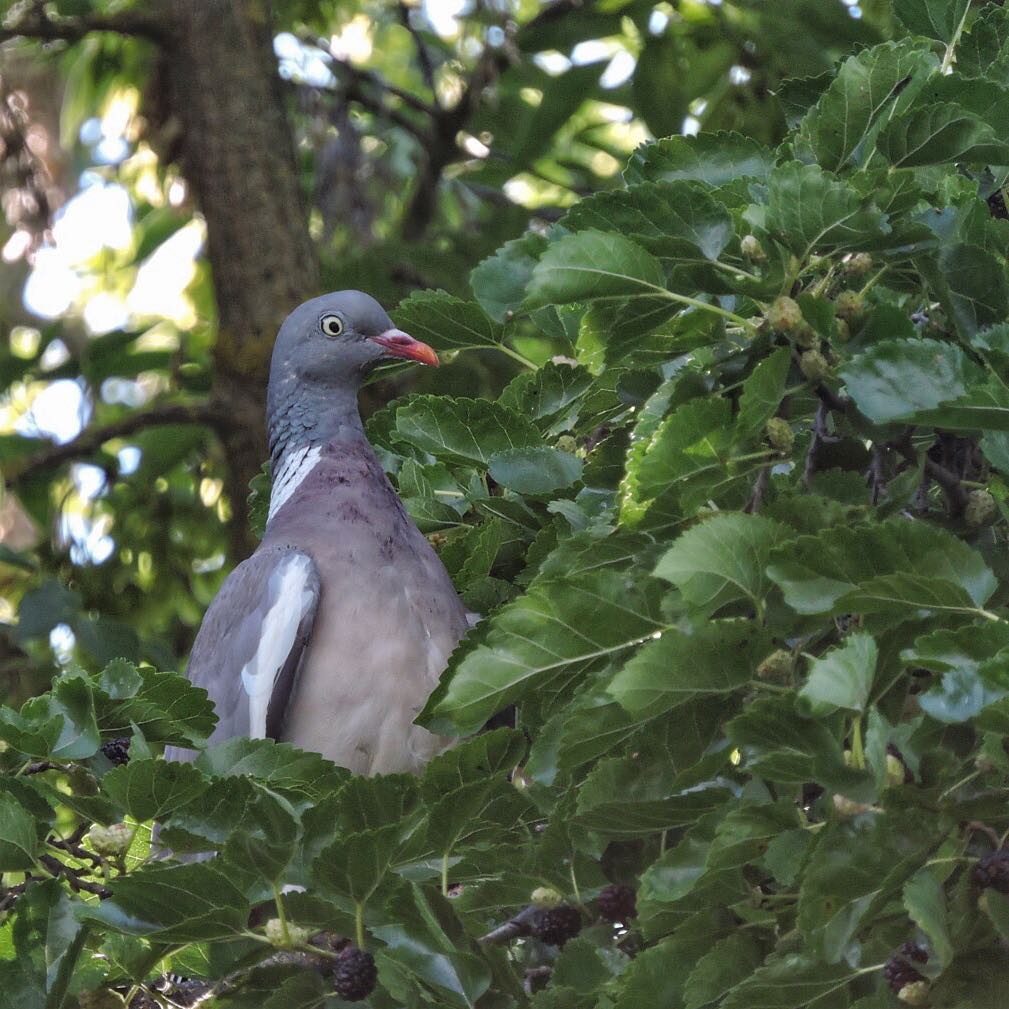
[[857, 752], [359, 924], [947, 60], [959, 784], [705, 306], [774, 688], [516, 356], [574, 884], [281, 914], [444, 874], [871, 282]]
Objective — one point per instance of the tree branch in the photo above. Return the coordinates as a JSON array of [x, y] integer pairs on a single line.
[[92, 439], [954, 491], [423, 56], [359, 74], [32, 22], [73, 877]]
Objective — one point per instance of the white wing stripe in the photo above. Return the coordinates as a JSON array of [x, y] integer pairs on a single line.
[[292, 597]]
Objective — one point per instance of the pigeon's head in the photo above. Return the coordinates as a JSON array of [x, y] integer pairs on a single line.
[[337, 338]]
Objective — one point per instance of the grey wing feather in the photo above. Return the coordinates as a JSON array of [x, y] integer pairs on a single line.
[[252, 641]]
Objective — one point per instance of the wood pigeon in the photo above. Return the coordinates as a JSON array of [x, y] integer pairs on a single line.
[[333, 633]]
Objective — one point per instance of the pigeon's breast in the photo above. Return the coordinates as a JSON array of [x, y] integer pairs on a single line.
[[387, 621]]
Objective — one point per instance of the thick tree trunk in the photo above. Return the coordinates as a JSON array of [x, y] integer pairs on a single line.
[[238, 155]]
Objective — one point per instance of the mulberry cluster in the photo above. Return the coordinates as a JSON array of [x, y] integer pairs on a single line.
[[993, 871], [900, 971], [555, 925], [618, 902], [355, 974], [117, 750]]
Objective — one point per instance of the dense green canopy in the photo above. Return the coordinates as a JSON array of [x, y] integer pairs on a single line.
[[720, 454]]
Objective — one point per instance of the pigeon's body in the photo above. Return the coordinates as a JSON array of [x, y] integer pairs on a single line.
[[332, 635]]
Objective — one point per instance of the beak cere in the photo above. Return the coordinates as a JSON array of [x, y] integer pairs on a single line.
[[396, 343]]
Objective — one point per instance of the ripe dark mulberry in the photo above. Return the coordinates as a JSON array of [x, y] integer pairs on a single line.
[[618, 902], [117, 750], [993, 871], [997, 206], [555, 925], [899, 970], [355, 974]]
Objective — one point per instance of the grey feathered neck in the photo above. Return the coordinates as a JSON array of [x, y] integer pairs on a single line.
[[301, 415]]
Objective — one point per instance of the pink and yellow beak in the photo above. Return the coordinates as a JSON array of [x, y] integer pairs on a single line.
[[396, 343]]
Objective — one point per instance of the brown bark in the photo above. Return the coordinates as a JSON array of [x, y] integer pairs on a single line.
[[238, 155]]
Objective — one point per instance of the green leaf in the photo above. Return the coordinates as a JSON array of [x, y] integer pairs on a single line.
[[446, 322], [942, 133], [591, 265], [896, 380], [723, 559], [783, 746], [486, 755], [789, 981], [166, 708], [689, 447], [857, 866], [467, 430], [422, 937], [729, 962], [535, 470], [622, 799], [560, 627], [278, 765], [264, 843], [887, 567], [672, 220], [500, 281], [148, 789], [762, 393], [19, 841], [33, 733], [810, 211], [936, 19], [961, 656], [981, 52], [173, 903], [713, 158], [971, 284], [868, 89], [551, 396], [715, 658], [356, 865], [926, 906], [71, 699], [841, 678]]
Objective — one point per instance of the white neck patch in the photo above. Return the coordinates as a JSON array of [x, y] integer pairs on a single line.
[[294, 467]]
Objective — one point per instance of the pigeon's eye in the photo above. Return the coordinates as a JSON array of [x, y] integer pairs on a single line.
[[332, 325]]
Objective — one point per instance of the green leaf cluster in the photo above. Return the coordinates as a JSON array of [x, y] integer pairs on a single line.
[[763, 681]]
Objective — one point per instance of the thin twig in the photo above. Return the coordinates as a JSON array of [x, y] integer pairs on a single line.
[[954, 491], [33, 22], [38, 766], [877, 474], [11, 893], [73, 877], [760, 486], [91, 439], [369, 77], [820, 436], [519, 925], [423, 56]]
